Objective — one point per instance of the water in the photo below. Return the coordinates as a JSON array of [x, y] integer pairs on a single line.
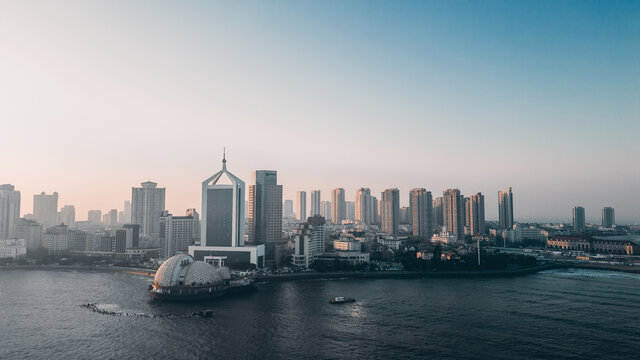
[[559, 314]]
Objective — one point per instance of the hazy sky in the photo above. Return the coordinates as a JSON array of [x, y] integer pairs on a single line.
[[543, 96]]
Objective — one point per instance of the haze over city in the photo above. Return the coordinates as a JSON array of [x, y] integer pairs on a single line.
[[97, 97]]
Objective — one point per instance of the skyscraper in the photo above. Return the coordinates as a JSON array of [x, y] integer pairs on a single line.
[[391, 211], [113, 217], [95, 217], [315, 203], [364, 206], [68, 216], [578, 219], [476, 214], [45, 209], [265, 208], [453, 212], [147, 204], [375, 218], [301, 205], [350, 210], [338, 206], [505, 209], [421, 208], [127, 212], [438, 219], [222, 225], [31, 232], [9, 211], [326, 209], [608, 217], [288, 208]]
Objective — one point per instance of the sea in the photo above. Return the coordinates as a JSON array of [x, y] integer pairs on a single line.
[[556, 314]]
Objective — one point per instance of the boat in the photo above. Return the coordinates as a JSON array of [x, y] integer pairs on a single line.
[[341, 300]]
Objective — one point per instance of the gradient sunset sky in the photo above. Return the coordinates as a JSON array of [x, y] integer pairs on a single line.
[[542, 96]]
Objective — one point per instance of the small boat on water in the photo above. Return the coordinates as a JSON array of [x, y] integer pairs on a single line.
[[341, 300]]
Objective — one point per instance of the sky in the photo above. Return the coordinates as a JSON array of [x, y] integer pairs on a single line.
[[542, 96]]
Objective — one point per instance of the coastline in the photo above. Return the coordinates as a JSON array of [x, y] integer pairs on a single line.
[[356, 275]]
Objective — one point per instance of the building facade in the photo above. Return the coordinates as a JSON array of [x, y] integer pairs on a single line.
[[265, 208], [505, 209], [309, 242], [390, 211], [608, 217], [338, 206], [45, 209], [301, 205], [453, 212], [316, 200], [421, 213], [364, 206], [9, 211], [179, 232], [68, 216], [579, 224], [147, 204], [476, 214]]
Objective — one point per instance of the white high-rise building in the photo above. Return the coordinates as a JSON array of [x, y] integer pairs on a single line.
[[316, 209], [309, 242], [68, 216], [126, 213], [45, 209], [505, 209], [338, 206], [222, 224], [301, 205], [147, 204], [391, 211], [421, 213], [9, 211], [178, 232]]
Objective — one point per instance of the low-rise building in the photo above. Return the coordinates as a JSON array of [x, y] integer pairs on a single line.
[[13, 248]]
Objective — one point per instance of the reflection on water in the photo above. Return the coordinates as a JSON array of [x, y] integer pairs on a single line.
[[556, 314]]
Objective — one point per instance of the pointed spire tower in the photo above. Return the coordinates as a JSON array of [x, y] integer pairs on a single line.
[[222, 209]]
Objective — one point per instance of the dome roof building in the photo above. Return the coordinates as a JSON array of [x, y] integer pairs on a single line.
[[183, 270]]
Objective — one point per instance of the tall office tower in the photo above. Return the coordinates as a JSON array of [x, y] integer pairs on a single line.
[[350, 210], [315, 203], [391, 211], [338, 206], [375, 217], [178, 232], [422, 209], [113, 217], [326, 210], [105, 219], [608, 217], [95, 217], [31, 232], [453, 212], [126, 213], [45, 209], [288, 209], [147, 204], [364, 206], [222, 225], [476, 214], [301, 205], [578, 219], [68, 216], [265, 208], [119, 241], [438, 219], [9, 211], [505, 209]]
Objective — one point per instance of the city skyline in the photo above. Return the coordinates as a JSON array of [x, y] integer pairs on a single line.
[[542, 98]]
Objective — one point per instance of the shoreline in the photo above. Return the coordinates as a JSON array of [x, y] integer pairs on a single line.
[[357, 275]]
